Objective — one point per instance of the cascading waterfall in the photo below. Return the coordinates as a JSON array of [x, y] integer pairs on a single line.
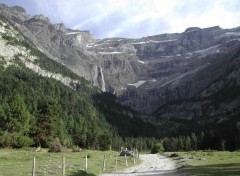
[[98, 78], [103, 81]]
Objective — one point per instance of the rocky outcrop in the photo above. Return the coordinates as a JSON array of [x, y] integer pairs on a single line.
[[12, 53], [59, 43]]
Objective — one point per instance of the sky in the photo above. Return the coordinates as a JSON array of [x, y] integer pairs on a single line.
[[135, 18]]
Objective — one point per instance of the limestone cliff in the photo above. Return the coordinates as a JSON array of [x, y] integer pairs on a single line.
[[144, 73]]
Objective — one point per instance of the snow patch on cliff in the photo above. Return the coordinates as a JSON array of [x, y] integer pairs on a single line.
[[154, 41], [139, 83], [110, 52], [141, 62]]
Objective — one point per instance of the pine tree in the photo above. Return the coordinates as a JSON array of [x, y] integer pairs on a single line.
[[187, 143], [104, 141], [47, 123], [20, 117], [194, 141]]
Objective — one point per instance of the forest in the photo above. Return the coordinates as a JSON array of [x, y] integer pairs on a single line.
[[35, 110]]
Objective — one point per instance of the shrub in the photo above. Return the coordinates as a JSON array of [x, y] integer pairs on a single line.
[[76, 149], [157, 148], [55, 146], [174, 155]]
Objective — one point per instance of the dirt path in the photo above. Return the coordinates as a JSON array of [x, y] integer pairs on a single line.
[[152, 165]]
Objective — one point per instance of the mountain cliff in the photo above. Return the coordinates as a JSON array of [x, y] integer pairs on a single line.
[[144, 73]]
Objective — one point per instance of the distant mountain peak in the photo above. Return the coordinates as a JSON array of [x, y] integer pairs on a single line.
[[41, 17], [192, 29]]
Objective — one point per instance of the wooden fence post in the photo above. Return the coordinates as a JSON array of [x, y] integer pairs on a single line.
[[33, 166], [86, 164], [126, 160], [137, 154], [116, 163], [63, 165], [104, 163]]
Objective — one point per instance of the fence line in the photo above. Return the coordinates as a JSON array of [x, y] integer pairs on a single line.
[[62, 166]]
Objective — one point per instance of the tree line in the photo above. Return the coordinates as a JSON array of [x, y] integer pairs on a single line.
[[34, 110], [222, 136]]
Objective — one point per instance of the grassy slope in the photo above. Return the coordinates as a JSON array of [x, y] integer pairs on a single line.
[[209, 163], [19, 162]]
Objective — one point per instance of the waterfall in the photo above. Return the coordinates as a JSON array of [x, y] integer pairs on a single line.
[[98, 78], [103, 81]]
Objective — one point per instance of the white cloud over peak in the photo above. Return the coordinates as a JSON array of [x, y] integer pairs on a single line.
[[136, 18]]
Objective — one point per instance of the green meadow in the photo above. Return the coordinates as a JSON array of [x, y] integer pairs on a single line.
[[209, 163], [19, 162]]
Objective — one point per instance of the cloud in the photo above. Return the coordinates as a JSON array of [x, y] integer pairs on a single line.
[[136, 18], [205, 14]]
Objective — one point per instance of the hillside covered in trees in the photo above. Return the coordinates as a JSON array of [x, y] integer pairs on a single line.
[[36, 109]]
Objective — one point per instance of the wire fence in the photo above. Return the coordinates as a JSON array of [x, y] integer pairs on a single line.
[[70, 165]]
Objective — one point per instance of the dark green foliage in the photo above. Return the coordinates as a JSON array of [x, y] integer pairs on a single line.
[[174, 155], [127, 121], [157, 148], [47, 122], [104, 142], [89, 155], [15, 123], [43, 109], [15, 140], [40, 109], [217, 136], [194, 142]]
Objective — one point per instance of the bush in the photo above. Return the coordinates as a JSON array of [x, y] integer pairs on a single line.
[[55, 146], [174, 155], [76, 149], [89, 155], [157, 148]]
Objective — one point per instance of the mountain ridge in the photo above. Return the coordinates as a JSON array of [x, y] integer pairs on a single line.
[[143, 73]]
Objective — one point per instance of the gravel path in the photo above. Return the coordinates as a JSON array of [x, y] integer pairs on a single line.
[[152, 165]]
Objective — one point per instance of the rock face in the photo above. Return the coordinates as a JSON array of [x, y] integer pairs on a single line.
[[58, 42], [12, 52], [219, 101], [144, 73], [167, 67]]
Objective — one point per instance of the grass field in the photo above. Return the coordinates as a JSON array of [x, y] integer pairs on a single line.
[[19, 162], [209, 163]]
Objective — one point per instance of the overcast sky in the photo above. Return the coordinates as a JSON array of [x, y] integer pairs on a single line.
[[135, 18]]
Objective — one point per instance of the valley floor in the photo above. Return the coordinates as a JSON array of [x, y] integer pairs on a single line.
[[152, 164]]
